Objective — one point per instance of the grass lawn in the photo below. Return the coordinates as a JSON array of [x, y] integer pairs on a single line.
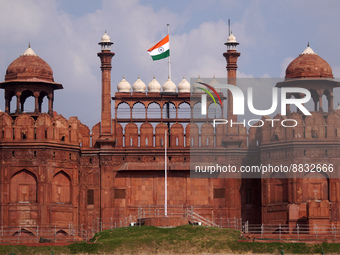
[[179, 240]]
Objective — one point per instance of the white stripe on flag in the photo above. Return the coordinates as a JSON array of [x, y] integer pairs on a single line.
[[157, 52]]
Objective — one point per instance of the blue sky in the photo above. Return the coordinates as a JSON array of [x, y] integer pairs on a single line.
[[65, 34]]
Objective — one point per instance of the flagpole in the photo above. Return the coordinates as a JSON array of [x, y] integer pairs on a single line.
[[165, 180], [168, 25]]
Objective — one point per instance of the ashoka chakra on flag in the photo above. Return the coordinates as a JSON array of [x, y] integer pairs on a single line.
[[161, 49]]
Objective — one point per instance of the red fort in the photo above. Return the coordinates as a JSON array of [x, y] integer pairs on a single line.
[[57, 172]]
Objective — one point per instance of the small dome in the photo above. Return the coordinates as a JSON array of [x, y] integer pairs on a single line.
[[169, 86], [29, 51], [154, 86], [309, 65], [105, 38], [29, 66], [308, 50], [123, 86], [184, 86], [139, 86], [231, 39], [213, 83], [197, 86]]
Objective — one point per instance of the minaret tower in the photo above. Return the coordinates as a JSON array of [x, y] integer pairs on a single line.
[[231, 56], [105, 59]]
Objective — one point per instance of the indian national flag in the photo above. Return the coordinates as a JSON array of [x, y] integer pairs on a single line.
[[161, 49]]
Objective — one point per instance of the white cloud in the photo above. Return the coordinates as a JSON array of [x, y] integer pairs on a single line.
[[284, 65], [69, 43]]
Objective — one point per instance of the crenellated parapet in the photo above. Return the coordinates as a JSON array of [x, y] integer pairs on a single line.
[[44, 129], [313, 128]]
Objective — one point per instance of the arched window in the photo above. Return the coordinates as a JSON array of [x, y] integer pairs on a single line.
[[169, 110], [23, 187], [12, 102], [197, 111], [27, 101], [184, 111], [214, 111], [278, 188], [61, 188], [43, 102], [123, 111], [315, 187], [138, 111], [154, 111]]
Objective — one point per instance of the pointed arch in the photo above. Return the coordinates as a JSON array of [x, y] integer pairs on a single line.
[[61, 232], [119, 135], [169, 110], [160, 131], [23, 232], [146, 135], [43, 105], [123, 110], [131, 135], [177, 135], [61, 188], [207, 135], [23, 187], [27, 101], [315, 186], [278, 187], [194, 135], [138, 110], [154, 110], [184, 110]]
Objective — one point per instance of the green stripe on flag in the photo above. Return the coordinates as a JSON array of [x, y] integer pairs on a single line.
[[161, 56]]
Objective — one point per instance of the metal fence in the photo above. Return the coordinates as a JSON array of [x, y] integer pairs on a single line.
[[70, 233], [292, 232], [36, 234]]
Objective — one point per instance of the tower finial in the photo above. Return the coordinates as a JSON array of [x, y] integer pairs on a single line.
[[29, 45], [229, 26], [308, 44]]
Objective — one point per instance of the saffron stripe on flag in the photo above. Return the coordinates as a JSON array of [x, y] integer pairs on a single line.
[[161, 43]]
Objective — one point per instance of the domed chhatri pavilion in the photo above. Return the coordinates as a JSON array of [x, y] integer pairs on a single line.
[[57, 175], [27, 76]]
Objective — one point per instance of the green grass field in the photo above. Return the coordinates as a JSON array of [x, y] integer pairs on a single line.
[[184, 239]]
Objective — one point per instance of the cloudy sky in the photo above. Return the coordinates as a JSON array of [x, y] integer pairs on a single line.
[[65, 33]]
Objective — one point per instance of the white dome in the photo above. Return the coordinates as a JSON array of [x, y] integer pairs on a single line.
[[231, 39], [197, 86], [154, 86], [29, 51], [213, 83], [308, 50], [139, 86], [169, 86], [184, 86], [105, 38], [123, 86]]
